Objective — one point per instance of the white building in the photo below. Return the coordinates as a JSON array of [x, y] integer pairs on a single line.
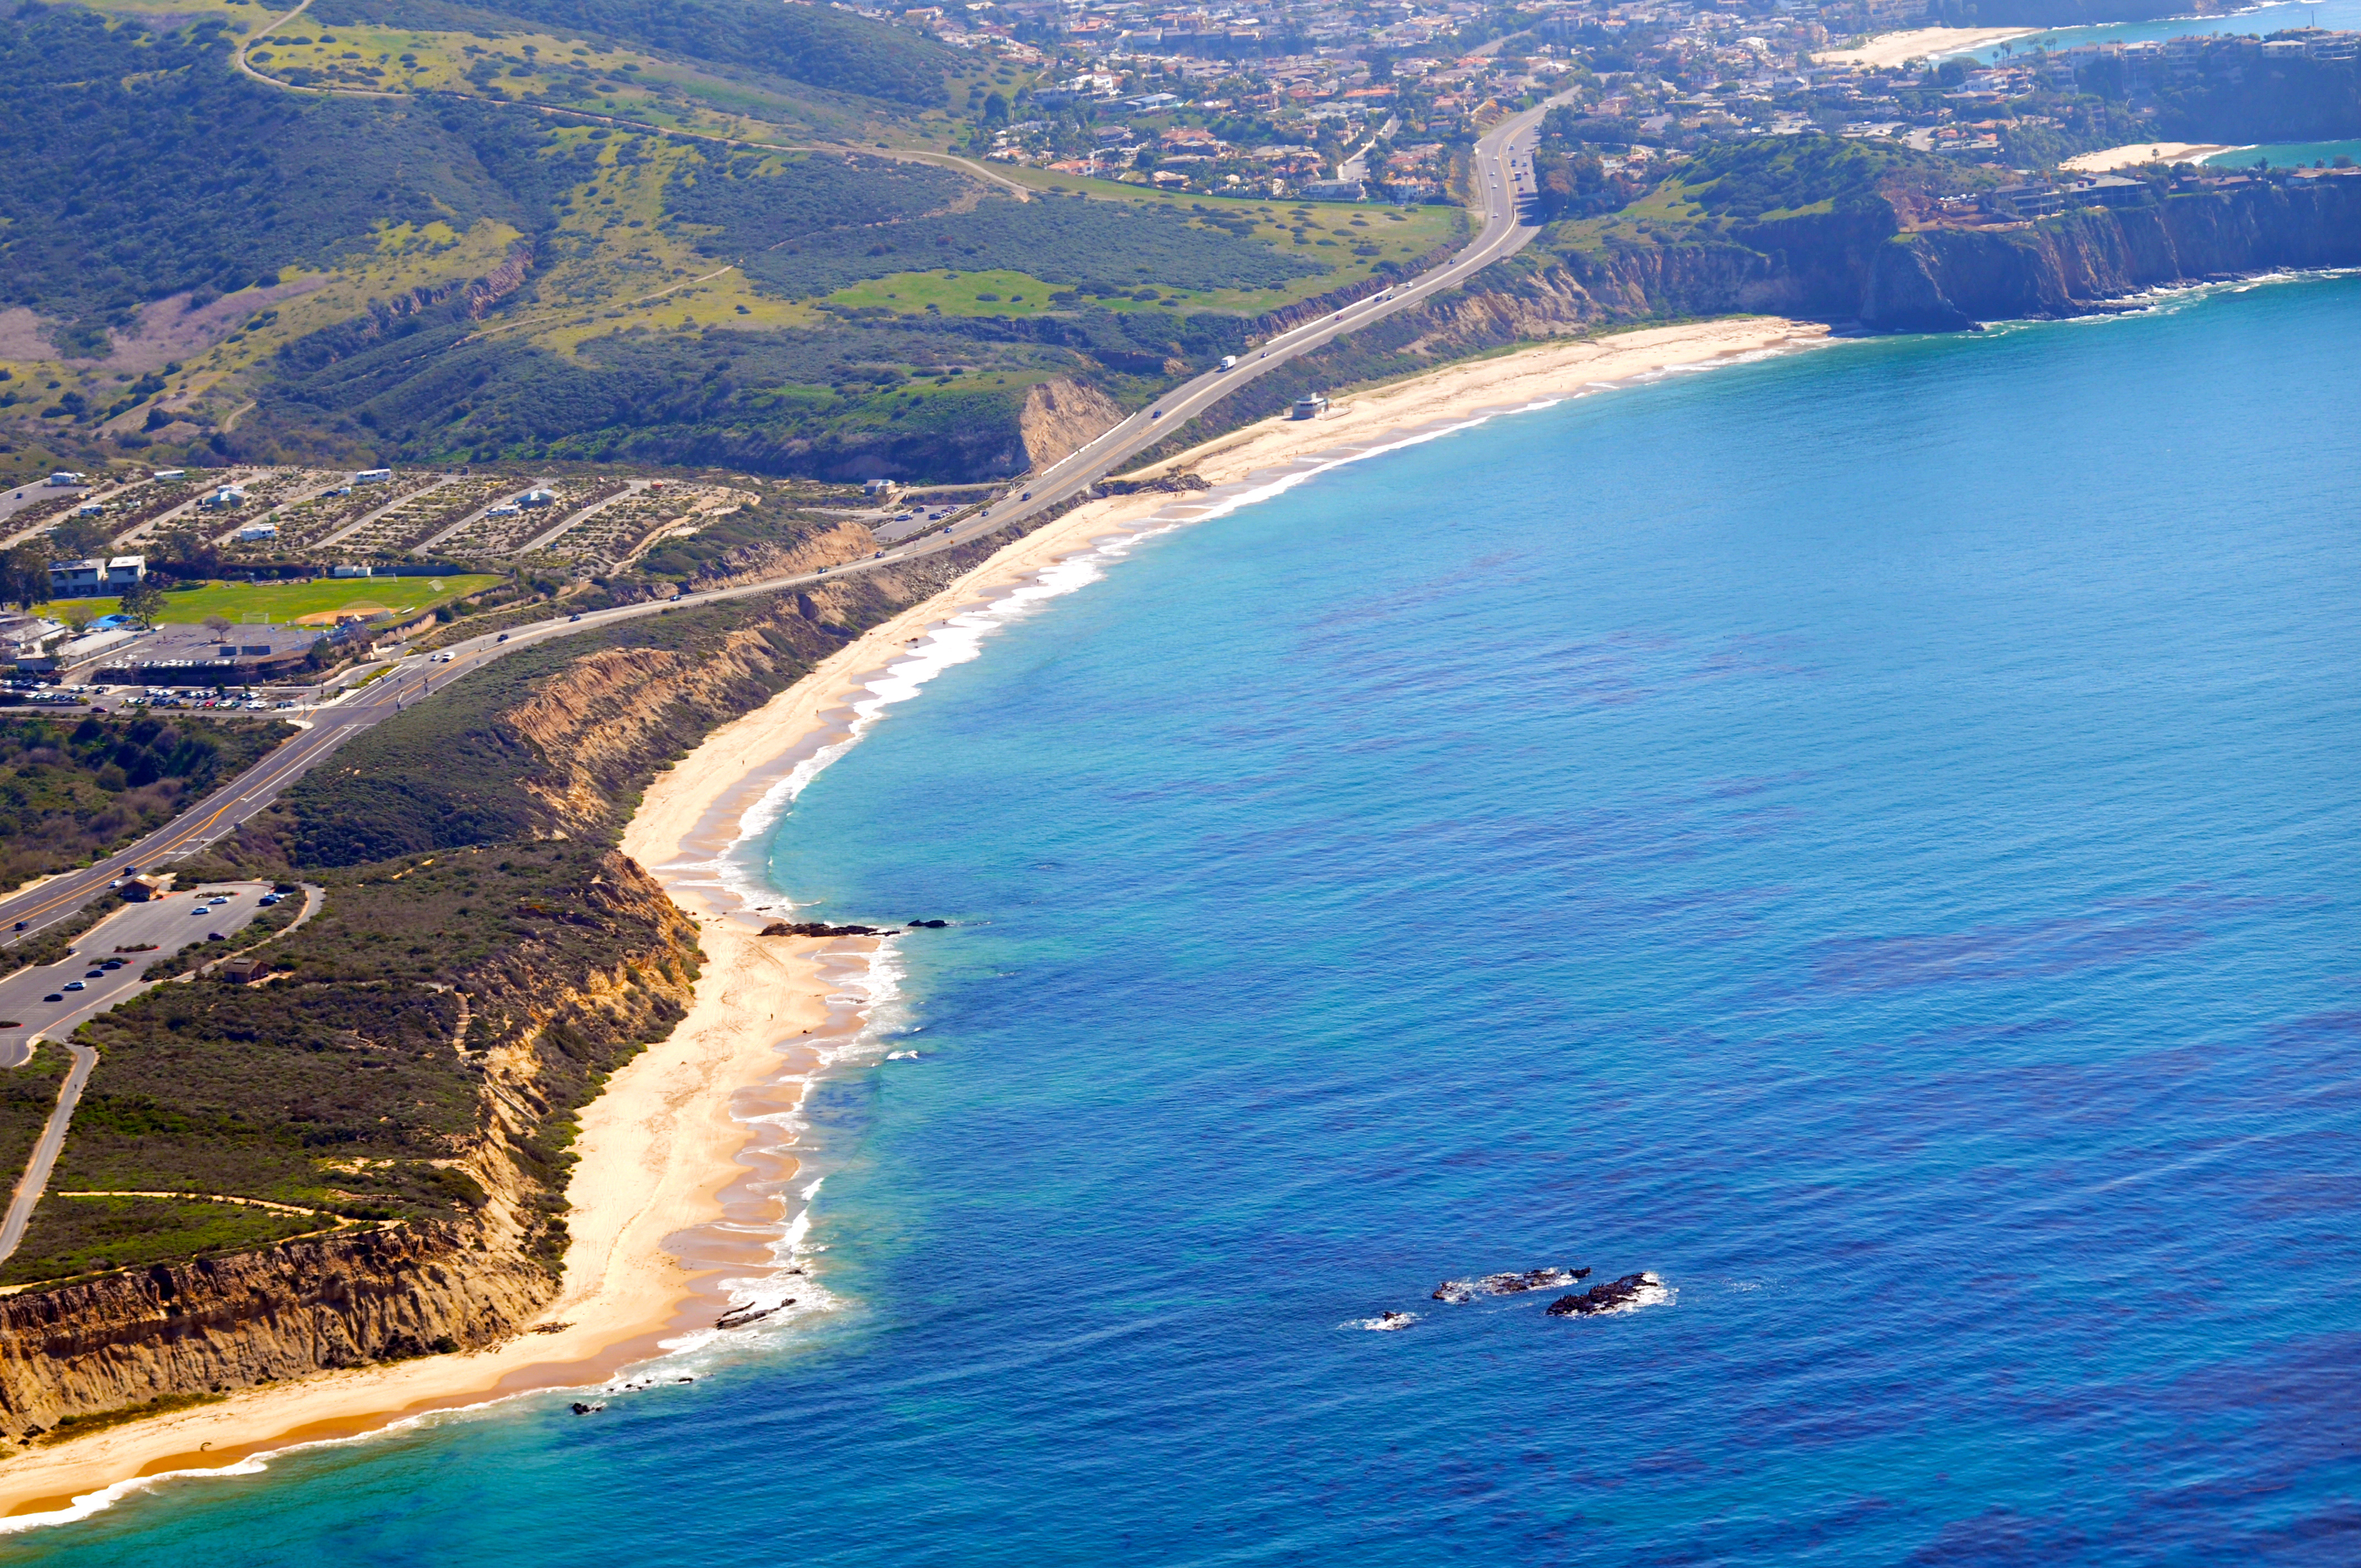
[[92, 578]]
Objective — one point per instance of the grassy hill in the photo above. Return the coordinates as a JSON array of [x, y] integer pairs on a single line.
[[389, 244], [530, 230]]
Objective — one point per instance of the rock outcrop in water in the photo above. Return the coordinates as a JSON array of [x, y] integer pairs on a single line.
[[1510, 1284], [1634, 1290]]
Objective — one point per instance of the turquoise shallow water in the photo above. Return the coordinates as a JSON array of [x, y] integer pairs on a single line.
[[1867, 837], [2287, 155]]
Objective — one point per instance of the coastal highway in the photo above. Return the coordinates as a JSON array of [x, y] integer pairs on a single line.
[[1502, 171]]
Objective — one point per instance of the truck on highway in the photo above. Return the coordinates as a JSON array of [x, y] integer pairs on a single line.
[[1229, 361]]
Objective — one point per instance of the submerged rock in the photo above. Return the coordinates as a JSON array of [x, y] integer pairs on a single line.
[[1509, 1284], [1627, 1293], [580, 1409], [749, 1314]]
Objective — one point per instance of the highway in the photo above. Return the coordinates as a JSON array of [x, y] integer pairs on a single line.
[[1502, 166]]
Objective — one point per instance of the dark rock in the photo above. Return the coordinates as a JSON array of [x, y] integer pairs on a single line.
[[744, 1315], [929, 924], [579, 1409], [819, 928], [1616, 1296], [1509, 1284]]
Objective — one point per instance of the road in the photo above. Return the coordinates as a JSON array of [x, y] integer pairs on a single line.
[[1502, 164]]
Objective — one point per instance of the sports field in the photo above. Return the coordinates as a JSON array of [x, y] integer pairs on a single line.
[[284, 603]]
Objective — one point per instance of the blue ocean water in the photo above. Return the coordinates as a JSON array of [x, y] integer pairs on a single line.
[[2260, 21], [1868, 837]]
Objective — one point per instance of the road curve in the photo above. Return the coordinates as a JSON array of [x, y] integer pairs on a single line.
[[1501, 165]]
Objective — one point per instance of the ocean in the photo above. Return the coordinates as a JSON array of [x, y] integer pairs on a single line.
[[2279, 16], [1866, 838]]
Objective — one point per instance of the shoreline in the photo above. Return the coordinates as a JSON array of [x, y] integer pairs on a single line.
[[1891, 50], [678, 1192]]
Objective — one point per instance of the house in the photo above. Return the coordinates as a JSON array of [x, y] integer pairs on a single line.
[[77, 580], [2108, 191], [532, 498], [254, 530], [1312, 405], [243, 971], [141, 889], [1333, 191], [227, 496], [125, 572], [349, 571], [2023, 202]]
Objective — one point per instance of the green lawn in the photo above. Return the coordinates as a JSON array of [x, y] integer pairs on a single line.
[[285, 602]]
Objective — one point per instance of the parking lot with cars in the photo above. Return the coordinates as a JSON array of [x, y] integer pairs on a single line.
[[109, 963]]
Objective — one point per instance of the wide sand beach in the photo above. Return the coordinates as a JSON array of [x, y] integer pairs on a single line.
[[668, 1150]]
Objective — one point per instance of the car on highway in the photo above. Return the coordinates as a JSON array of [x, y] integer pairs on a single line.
[[95, 974], [571, 619], [76, 985], [267, 900], [112, 964], [502, 637], [53, 996]]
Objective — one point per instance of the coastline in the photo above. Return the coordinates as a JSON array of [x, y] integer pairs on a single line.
[[677, 1192], [1890, 50]]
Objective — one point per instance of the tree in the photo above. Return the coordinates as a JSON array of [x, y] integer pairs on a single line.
[[219, 625], [24, 577], [143, 602]]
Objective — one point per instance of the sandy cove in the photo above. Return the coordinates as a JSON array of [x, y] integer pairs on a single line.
[[664, 1153], [1889, 49]]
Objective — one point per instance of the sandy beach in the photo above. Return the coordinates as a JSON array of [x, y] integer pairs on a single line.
[[673, 1181], [2137, 153], [1890, 50]]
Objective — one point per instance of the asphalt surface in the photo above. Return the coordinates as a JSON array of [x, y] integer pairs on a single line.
[[170, 923], [1502, 162]]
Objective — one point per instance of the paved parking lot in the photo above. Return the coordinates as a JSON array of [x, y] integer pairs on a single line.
[[171, 922]]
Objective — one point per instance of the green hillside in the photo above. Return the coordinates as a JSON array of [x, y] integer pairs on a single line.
[[380, 246]]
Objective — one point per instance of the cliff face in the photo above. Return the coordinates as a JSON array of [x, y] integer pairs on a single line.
[[2062, 266], [1060, 415], [1855, 266], [231, 1322]]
